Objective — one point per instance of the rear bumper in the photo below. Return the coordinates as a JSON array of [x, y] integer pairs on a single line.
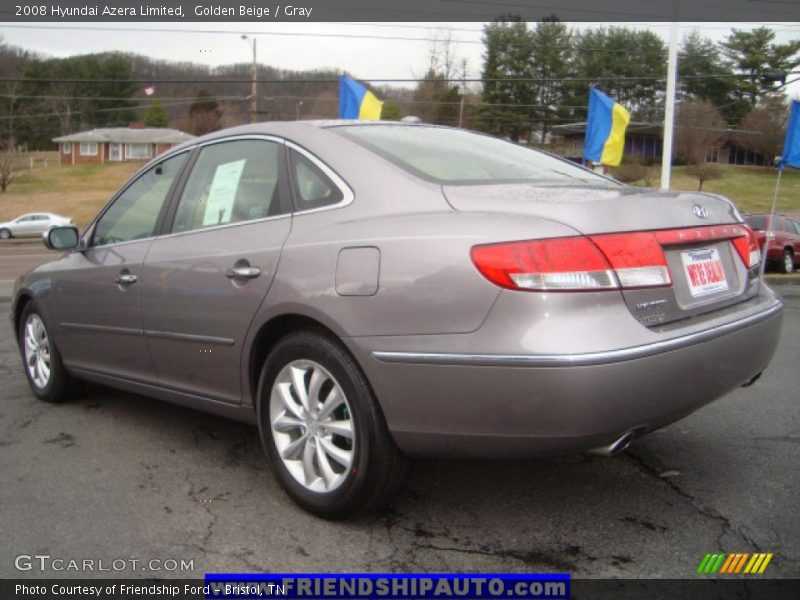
[[461, 404]]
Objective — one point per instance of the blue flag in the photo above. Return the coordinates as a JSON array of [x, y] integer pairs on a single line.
[[357, 102], [605, 130], [791, 147]]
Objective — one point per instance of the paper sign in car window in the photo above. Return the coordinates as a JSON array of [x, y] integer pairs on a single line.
[[222, 193]]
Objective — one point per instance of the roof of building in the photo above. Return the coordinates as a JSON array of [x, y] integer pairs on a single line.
[[128, 135]]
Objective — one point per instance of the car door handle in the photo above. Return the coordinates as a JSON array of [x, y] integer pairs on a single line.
[[243, 273], [126, 279]]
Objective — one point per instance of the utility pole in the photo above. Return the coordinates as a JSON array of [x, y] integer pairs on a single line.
[[461, 111], [253, 82], [669, 104]]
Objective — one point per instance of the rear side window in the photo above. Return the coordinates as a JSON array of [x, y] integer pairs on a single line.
[[231, 182], [457, 156], [313, 189], [757, 222]]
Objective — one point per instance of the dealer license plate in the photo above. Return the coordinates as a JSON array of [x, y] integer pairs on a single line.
[[704, 271]]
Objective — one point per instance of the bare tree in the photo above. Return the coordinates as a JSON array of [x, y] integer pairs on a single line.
[[765, 126], [7, 169], [700, 128]]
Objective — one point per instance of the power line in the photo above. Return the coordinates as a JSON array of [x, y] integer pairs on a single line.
[[603, 77]]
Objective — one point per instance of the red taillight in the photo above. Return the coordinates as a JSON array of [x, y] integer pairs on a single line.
[[747, 247], [637, 258], [572, 263], [603, 262]]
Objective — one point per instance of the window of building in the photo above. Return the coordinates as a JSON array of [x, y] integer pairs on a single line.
[[66, 148], [88, 149], [712, 155], [138, 151]]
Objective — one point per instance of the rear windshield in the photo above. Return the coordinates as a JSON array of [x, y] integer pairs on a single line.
[[457, 156], [757, 222]]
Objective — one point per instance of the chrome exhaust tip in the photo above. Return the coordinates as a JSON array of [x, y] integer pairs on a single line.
[[614, 447], [752, 380]]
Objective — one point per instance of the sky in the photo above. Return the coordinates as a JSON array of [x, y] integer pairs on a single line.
[[353, 47]]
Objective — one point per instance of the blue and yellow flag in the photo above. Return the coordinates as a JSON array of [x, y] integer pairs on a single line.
[[791, 146], [605, 130], [356, 101]]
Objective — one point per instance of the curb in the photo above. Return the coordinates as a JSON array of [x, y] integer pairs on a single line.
[[793, 279]]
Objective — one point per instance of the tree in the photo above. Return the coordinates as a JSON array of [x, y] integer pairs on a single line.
[[754, 56], [391, 111], [112, 105], [157, 115], [508, 56], [700, 127], [552, 61], [204, 114], [7, 169], [703, 172], [765, 127], [703, 75], [627, 64], [436, 101]]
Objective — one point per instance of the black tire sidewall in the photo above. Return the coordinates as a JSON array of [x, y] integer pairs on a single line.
[[353, 492], [54, 391]]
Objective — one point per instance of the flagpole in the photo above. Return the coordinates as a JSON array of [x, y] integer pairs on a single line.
[[669, 105], [771, 220]]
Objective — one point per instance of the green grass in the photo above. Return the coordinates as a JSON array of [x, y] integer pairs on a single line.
[[78, 192], [750, 188]]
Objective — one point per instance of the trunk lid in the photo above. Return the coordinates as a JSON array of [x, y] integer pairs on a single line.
[[697, 229]]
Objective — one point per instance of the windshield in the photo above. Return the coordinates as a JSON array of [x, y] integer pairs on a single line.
[[457, 156]]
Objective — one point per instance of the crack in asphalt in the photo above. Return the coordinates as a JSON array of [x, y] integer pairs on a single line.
[[706, 511]]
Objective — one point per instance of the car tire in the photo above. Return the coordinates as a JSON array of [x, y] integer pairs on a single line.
[[5, 234], [787, 263], [39, 352], [324, 471]]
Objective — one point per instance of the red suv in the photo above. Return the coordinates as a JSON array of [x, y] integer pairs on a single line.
[[783, 250]]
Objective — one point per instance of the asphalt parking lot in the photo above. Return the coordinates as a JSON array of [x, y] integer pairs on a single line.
[[114, 475]]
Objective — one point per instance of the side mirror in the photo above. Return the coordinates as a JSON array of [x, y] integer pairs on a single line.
[[62, 237]]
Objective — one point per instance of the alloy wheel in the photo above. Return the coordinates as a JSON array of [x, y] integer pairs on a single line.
[[312, 425], [788, 262], [37, 351]]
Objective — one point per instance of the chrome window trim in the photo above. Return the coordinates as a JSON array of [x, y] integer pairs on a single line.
[[577, 360], [348, 196]]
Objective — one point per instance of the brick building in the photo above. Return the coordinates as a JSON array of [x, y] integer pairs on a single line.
[[115, 144]]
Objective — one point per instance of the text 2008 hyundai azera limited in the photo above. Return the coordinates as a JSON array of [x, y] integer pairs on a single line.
[[368, 292]]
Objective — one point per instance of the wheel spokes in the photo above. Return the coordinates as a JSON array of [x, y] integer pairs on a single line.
[[342, 428], [312, 425], [341, 456]]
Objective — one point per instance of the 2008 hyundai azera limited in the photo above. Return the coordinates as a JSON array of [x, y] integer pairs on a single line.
[[365, 292]]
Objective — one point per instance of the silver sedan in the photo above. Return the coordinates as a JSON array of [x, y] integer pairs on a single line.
[[369, 292], [31, 224]]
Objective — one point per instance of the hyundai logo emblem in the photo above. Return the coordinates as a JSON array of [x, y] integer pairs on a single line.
[[700, 211]]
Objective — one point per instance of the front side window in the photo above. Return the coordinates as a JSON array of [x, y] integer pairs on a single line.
[[231, 182], [457, 156], [134, 213], [88, 149], [313, 188]]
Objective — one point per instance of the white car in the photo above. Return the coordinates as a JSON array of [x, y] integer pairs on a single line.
[[31, 224]]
